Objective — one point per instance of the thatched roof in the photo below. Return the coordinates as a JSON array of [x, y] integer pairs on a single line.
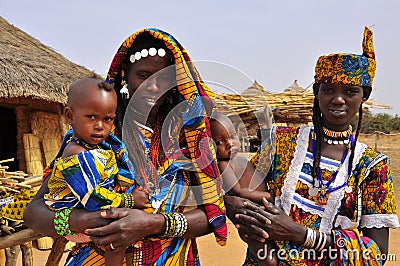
[[294, 106], [255, 89], [31, 69], [295, 87]]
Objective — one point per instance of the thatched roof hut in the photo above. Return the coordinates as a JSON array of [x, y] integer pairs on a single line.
[[295, 87], [255, 89], [33, 89], [293, 106], [33, 70]]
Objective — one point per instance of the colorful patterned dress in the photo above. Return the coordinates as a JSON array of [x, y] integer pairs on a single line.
[[188, 176], [175, 197], [371, 202], [93, 179]]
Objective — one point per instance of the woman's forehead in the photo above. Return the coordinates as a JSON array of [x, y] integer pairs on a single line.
[[340, 86], [154, 63]]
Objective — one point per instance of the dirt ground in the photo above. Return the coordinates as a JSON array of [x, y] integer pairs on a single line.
[[233, 253]]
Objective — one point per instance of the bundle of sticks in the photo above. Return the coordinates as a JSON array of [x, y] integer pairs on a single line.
[[11, 184], [13, 181]]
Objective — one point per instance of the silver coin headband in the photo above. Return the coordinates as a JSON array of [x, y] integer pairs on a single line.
[[146, 52]]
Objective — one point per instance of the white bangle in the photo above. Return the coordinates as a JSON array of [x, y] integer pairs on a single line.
[[314, 238], [317, 247], [320, 248], [310, 239], [307, 242]]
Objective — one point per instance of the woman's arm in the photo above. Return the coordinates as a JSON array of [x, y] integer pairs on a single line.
[[37, 208], [265, 222], [41, 219], [132, 225]]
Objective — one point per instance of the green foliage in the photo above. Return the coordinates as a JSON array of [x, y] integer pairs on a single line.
[[378, 122]]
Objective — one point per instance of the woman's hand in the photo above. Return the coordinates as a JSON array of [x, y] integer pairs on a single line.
[[128, 226], [274, 221], [234, 206], [81, 219]]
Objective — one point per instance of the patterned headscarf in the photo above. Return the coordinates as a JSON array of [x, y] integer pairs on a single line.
[[197, 95], [348, 69]]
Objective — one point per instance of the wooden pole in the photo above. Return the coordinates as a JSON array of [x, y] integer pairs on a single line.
[[27, 254], [37, 180], [2, 257], [12, 255], [18, 238], [56, 252], [7, 160]]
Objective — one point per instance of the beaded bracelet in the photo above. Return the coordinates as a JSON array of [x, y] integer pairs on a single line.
[[61, 222], [175, 224], [129, 201]]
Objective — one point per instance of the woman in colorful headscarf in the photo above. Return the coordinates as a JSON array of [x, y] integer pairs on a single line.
[[334, 200], [162, 115]]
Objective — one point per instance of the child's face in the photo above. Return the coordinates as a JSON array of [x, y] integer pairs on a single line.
[[225, 138], [92, 117]]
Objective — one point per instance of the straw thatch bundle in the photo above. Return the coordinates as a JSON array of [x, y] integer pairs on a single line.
[[31, 69], [294, 107]]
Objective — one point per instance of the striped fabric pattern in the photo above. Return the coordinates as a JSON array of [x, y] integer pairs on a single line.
[[92, 179]]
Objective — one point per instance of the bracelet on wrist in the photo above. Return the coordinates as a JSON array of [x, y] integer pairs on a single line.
[[314, 242], [61, 222], [129, 201], [175, 224]]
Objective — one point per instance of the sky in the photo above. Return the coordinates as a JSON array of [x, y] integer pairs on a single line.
[[231, 42]]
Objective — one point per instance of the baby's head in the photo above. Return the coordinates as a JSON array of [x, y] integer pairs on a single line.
[[224, 135], [90, 110]]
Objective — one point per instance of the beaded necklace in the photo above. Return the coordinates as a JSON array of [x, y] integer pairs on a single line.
[[147, 137], [337, 137], [83, 143], [324, 188]]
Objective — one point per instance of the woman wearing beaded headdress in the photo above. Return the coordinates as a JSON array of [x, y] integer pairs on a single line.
[[334, 195], [162, 117]]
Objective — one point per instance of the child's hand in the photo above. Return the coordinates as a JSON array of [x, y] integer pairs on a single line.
[[141, 198]]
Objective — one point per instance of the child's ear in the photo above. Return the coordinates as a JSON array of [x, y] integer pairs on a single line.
[[69, 115]]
